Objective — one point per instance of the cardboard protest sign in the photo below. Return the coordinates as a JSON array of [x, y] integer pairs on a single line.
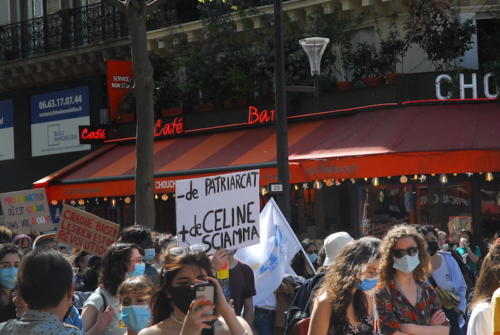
[[86, 231], [26, 211], [218, 211]]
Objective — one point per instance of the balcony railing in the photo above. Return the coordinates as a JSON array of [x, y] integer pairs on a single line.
[[68, 28]]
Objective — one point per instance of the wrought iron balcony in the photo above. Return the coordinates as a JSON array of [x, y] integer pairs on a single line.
[[69, 28]]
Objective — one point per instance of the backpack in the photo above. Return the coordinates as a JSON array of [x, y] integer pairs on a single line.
[[300, 306]]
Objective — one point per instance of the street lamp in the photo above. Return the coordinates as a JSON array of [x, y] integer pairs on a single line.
[[314, 48]]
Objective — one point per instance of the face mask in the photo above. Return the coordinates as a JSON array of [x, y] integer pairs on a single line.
[[406, 263], [138, 270], [433, 247], [182, 297], [312, 257], [8, 277], [368, 284], [136, 317], [149, 254]]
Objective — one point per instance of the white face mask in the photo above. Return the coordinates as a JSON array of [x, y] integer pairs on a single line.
[[406, 263]]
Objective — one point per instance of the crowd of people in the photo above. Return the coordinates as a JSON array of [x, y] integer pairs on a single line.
[[412, 281]]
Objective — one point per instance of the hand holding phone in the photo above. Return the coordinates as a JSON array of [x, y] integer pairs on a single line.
[[205, 291]]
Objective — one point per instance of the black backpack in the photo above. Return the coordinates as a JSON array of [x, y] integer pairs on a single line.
[[300, 306]]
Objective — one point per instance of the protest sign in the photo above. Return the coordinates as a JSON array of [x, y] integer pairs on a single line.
[[86, 231], [218, 211], [26, 211]]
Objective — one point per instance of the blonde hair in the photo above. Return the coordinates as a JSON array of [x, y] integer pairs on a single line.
[[386, 270], [140, 285]]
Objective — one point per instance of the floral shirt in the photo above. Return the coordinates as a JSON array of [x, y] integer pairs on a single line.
[[38, 323], [394, 308]]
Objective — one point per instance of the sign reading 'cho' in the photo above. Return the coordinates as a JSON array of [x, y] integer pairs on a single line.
[[219, 211]]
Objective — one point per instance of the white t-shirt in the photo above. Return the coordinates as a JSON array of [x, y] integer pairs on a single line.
[[95, 300], [442, 276], [480, 320]]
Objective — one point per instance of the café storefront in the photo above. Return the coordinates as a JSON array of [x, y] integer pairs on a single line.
[[397, 158]]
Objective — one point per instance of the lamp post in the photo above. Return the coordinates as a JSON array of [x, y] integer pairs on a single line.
[[314, 48]]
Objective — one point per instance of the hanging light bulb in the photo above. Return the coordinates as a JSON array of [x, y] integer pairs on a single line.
[[389, 177], [455, 174], [375, 181], [156, 196], [469, 174], [415, 177], [318, 184], [113, 202], [443, 178], [81, 202], [105, 199], [488, 176], [353, 180], [164, 197], [423, 178], [53, 202], [433, 174], [304, 186], [127, 200], [329, 182], [403, 179], [73, 202], [296, 187], [263, 191], [365, 178], [337, 182]]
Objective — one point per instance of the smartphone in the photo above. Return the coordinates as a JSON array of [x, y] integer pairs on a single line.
[[206, 291]]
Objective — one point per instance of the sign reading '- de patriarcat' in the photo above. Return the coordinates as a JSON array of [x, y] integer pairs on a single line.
[[219, 211]]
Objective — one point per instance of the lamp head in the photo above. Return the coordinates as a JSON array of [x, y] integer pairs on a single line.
[[314, 48]]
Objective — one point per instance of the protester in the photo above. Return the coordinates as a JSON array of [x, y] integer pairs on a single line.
[[343, 304], [48, 296], [443, 240], [101, 310], [141, 236], [241, 283], [299, 263], [23, 241], [333, 244], [135, 294], [480, 322], [90, 276], [10, 258], [5, 235], [45, 242], [80, 263], [406, 302], [470, 252], [161, 243], [446, 275], [175, 307]]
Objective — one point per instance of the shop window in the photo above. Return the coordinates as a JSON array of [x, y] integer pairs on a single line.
[[446, 207], [490, 209], [384, 206]]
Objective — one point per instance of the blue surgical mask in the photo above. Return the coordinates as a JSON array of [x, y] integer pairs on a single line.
[[312, 257], [138, 270], [136, 317], [8, 277], [406, 263], [149, 254], [368, 284]]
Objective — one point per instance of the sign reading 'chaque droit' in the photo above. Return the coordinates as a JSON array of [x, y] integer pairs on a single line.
[[86, 231]]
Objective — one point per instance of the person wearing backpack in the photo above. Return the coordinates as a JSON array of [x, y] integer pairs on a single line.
[[343, 304]]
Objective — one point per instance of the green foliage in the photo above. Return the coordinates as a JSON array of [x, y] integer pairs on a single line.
[[439, 32]]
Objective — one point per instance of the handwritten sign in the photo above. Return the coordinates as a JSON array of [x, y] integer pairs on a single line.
[[86, 231], [219, 211], [26, 211]]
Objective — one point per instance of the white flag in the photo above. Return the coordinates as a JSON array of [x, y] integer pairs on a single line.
[[270, 259]]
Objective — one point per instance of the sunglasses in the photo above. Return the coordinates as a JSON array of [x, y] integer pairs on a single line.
[[192, 249], [411, 251]]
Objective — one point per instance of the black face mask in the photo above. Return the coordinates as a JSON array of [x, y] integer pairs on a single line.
[[433, 247], [182, 297]]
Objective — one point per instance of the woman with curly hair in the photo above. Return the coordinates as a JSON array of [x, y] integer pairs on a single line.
[[343, 304], [100, 313], [176, 310], [480, 321], [406, 302]]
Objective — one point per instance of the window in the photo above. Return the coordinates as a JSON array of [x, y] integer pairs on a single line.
[[488, 35]]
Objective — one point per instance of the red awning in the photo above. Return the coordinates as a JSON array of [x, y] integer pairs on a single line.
[[402, 140]]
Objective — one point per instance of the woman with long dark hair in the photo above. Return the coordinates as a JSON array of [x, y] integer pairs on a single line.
[[343, 304], [176, 310], [100, 313], [487, 283], [10, 258], [406, 302]]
